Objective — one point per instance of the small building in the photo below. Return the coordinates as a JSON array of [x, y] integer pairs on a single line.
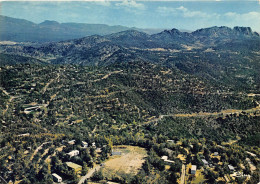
[[231, 168], [75, 167], [252, 154], [72, 142], [205, 162], [215, 153], [116, 153], [165, 159], [98, 150], [193, 169], [24, 135], [170, 141], [73, 153], [56, 178], [93, 144], [84, 144]]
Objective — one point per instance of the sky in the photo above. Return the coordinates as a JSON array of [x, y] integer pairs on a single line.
[[168, 14]]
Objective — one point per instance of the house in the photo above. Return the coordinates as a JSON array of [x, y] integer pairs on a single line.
[[165, 159], [24, 135], [252, 154], [84, 144], [193, 169], [73, 153], [72, 142], [116, 153], [93, 144], [56, 178], [215, 153], [231, 168], [75, 167], [170, 141], [205, 162], [98, 150]]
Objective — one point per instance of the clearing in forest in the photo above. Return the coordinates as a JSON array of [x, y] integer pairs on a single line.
[[129, 162]]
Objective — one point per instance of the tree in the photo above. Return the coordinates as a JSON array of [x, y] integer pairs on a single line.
[[188, 159], [84, 169], [147, 167], [97, 175], [25, 181], [212, 176], [139, 178], [173, 177]]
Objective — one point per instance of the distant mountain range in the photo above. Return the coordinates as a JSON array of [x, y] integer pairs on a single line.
[[21, 30], [132, 44], [217, 53]]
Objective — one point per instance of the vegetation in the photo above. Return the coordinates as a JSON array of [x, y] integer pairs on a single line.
[[183, 107]]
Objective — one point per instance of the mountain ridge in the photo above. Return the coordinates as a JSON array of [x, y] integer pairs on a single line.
[[21, 30], [205, 52]]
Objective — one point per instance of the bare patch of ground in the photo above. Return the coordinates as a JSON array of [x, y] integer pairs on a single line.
[[129, 162]]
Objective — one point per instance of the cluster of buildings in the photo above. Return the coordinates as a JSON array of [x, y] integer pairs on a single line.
[[73, 166]]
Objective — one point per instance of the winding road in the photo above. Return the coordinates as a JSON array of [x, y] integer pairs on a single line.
[[89, 174], [183, 170], [205, 114]]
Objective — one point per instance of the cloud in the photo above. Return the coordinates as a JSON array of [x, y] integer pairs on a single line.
[[250, 16], [166, 10], [182, 11], [131, 4], [102, 2], [249, 19]]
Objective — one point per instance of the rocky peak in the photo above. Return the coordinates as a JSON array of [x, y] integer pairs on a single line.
[[129, 34], [49, 23], [173, 32], [245, 31], [214, 31]]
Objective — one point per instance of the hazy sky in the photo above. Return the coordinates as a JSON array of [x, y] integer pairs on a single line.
[[189, 15]]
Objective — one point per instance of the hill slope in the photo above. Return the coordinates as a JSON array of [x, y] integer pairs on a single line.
[[220, 54], [20, 30]]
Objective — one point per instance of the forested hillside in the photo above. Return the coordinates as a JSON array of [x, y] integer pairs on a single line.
[[132, 108]]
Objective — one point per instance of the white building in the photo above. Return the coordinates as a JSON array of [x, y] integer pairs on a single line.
[[73, 153], [170, 141], [205, 162], [84, 144], [231, 168], [193, 169], [165, 159], [56, 178], [24, 135], [72, 142]]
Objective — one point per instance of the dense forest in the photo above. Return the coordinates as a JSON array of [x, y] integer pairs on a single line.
[[140, 104], [184, 106]]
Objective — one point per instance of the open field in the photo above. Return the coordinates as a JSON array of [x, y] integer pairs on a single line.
[[129, 162]]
